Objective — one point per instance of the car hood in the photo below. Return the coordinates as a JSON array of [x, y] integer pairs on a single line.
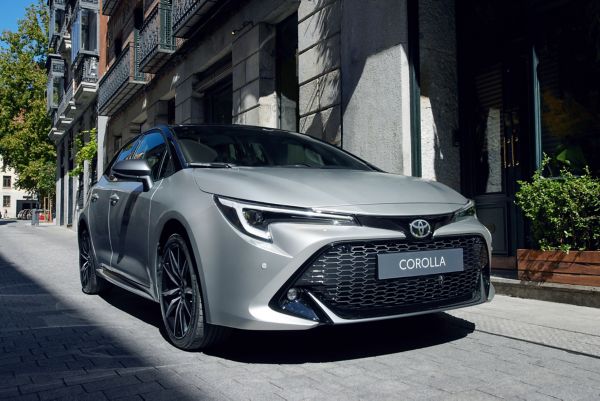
[[326, 189]]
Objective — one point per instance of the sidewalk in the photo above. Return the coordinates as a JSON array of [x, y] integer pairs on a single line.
[[506, 283]]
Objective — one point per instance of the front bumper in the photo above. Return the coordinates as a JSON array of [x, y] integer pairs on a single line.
[[244, 279]]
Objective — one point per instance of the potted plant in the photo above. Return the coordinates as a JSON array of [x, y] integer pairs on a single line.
[[564, 213]]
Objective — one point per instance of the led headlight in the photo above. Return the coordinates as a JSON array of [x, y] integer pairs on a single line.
[[254, 219], [466, 211]]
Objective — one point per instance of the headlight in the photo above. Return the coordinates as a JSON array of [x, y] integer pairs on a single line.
[[254, 219], [466, 211]]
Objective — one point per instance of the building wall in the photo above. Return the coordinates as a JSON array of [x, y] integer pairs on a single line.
[[319, 69], [375, 83], [82, 117], [353, 77], [440, 156], [14, 193], [252, 59]]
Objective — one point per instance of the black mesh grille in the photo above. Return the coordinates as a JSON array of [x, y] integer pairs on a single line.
[[344, 278]]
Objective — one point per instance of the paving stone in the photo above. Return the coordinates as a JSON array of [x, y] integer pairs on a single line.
[[134, 389], [64, 344], [111, 382]]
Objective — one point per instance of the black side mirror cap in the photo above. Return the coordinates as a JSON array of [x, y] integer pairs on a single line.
[[134, 170]]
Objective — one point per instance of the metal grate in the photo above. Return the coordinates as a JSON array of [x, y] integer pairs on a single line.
[[344, 278]]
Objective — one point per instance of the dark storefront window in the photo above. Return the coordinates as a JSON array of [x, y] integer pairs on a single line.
[[568, 47]]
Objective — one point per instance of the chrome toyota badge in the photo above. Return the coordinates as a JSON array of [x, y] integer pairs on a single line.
[[420, 228]]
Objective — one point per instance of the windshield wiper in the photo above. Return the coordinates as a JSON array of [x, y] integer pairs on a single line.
[[211, 165]]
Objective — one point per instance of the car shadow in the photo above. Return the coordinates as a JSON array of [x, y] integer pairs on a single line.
[[323, 344], [346, 342], [6, 221], [141, 308]]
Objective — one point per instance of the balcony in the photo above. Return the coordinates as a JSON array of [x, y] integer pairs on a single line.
[[109, 6], [156, 38], [57, 16], [89, 3], [56, 70], [66, 109], [187, 14], [85, 79], [63, 43], [55, 134], [122, 80]]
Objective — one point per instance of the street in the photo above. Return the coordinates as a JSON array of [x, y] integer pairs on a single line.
[[58, 343]]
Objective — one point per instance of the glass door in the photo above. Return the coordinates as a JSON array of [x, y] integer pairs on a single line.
[[495, 115]]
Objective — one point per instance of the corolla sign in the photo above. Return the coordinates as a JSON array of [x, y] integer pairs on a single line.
[[422, 263]]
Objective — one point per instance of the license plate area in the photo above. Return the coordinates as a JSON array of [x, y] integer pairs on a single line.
[[419, 263]]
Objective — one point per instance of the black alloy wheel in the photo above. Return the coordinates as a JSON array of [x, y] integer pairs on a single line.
[[181, 298], [90, 282]]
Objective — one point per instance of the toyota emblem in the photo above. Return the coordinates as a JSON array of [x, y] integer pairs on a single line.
[[420, 228]]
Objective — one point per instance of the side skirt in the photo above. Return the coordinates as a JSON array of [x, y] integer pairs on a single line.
[[120, 281]]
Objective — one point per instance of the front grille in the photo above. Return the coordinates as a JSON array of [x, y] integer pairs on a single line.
[[344, 278]]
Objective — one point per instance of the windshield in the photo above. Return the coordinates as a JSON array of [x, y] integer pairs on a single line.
[[206, 146]]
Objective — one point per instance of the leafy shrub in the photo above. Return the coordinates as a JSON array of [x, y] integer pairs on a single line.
[[564, 210], [84, 152]]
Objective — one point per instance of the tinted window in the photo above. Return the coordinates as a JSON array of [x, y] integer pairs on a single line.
[[152, 148], [260, 148], [121, 155]]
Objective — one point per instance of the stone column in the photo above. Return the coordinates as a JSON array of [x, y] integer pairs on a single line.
[[101, 135], [440, 156], [189, 108], [376, 83], [319, 69], [253, 59]]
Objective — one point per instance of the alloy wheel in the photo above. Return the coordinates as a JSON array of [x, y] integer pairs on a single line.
[[85, 259], [177, 295]]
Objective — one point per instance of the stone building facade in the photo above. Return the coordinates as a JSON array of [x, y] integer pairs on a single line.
[[76, 41], [410, 86]]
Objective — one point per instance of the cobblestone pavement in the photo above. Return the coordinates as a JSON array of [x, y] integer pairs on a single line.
[[58, 343]]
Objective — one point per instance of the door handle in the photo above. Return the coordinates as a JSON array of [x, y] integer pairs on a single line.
[[95, 197], [507, 162], [114, 198], [515, 162]]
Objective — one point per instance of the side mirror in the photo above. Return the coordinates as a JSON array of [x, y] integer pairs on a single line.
[[134, 170]]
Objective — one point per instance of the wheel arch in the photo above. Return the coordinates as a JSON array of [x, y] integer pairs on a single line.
[[177, 224]]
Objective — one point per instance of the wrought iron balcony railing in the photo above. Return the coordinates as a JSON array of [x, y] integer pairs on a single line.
[[86, 79], [187, 14], [109, 6], [156, 38], [63, 119], [121, 81]]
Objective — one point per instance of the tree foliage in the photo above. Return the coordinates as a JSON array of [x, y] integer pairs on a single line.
[[24, 124]]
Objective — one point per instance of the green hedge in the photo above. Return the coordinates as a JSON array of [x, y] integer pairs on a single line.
[[564, 211]]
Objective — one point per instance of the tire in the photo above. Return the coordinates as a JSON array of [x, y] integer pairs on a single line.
[[180, 296], [90, 282]]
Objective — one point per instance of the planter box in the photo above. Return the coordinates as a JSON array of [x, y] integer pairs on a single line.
[[576, 267]]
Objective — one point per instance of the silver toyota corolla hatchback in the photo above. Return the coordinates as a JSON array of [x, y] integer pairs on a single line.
[[262, 229]]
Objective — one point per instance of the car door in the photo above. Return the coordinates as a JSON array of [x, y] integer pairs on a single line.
[[99, 207], [129, 214]]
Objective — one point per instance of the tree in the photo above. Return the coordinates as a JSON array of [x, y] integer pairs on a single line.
[[24, 124]]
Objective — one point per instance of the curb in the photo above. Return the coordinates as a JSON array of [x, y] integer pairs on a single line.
[[568, 294]]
